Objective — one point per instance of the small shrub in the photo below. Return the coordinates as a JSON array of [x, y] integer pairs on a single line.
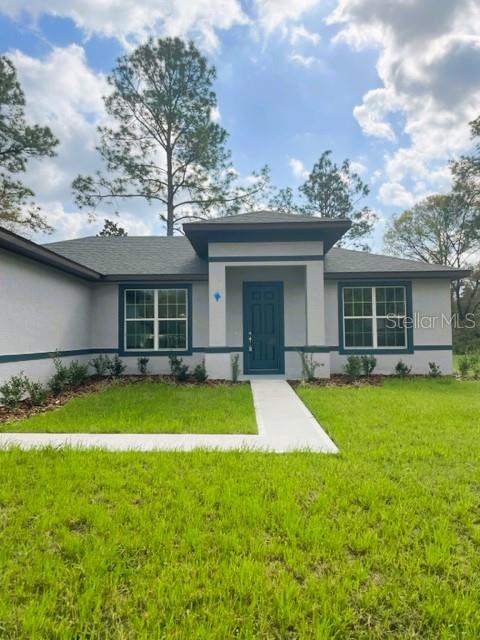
[[402, 370], [116, 367], [235, 362], [353, 368], [309, 366], [178, 369], [464, 366], [474, 358], [77, 374], [142, 364], [101, 364], [37, 393], [200, 373], [12, 391], [368, 364], [434, 370], [60, 379]]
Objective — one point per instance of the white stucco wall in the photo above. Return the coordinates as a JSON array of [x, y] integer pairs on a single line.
[[263, 249], [42, 310]]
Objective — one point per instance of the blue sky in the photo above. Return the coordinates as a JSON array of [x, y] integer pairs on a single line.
[[390, 84]]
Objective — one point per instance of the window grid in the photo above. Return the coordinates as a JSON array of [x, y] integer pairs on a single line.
[[374, 317], [157, 318]]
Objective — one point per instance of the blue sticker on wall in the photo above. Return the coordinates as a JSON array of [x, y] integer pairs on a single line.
[[217, 295]]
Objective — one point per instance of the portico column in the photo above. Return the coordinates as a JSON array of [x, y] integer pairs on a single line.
[[315, 303], [217, 305], [217, 359]]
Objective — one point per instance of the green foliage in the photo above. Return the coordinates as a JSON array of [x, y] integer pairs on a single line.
[[111, 229], [464, 365], [334, 191], [466, 340], [178, 369], [434, 370], [66, 377], [402, 370], [19, 143], [309, 366], [331, 191], [474, 359], [12, 391], [116, 366], [369, 363], [235, 363], [377, 543], [200, 373], [161, 103], [37, 393], [101, 364], [441, 229], [353, 368], [151, 407], [59, 382], [142, 364], [77, 374]]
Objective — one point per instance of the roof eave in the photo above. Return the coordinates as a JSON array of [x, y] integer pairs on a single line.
[[200, 234], [372, 275], [151, 277], [16, 244]]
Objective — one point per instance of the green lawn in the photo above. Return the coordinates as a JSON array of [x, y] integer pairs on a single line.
[[150, 407], [381, 541]]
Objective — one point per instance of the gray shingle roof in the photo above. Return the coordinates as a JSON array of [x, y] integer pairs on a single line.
[[163, 256], [134, 255], [340, 260]]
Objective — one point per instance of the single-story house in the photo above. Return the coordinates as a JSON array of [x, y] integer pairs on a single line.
[[266, 286]]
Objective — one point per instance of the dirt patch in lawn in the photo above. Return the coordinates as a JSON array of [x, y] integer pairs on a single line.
[[95, 384]]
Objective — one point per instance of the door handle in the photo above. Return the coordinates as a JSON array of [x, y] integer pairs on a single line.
[[250, 341]]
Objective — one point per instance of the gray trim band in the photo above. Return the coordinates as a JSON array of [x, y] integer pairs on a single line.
[[306, 258], [24, 357]]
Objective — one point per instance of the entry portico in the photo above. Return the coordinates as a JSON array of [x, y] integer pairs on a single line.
[[265, 291]]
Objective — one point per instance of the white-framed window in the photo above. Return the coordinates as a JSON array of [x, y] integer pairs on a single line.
[[374, 317], [156, 319]]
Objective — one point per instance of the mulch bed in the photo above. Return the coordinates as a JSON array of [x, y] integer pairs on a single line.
[[339, 380], [93, 385]]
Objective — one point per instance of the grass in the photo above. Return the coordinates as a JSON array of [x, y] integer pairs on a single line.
[[381, 541], [150, 407]]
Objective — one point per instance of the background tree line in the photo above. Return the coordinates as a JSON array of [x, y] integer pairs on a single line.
[[164, 146]]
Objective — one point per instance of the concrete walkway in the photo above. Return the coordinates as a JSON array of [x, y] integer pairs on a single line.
[[284, 424]]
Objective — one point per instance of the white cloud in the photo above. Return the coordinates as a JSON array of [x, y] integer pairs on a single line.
[[300, 33], [75, 224], [65, 94], [358, 167], [395, 194], [215, 114], [298, 169], [304, 61], [131, 21], [429, 64], [276, 14]]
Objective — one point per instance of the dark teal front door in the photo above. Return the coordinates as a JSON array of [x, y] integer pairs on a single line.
[[263, 341]]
